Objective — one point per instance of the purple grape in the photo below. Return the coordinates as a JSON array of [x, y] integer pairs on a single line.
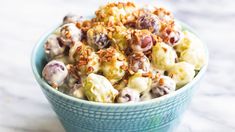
[[101, 41], [141, 41], [171, 36], [163, 86], [148, 21], [55, 73], [128, 95], [70, 34], [138, 62], [53, 47]]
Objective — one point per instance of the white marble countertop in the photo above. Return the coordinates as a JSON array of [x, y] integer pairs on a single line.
[[23, 107]]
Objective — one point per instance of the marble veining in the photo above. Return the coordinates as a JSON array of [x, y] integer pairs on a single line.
[[23, 107]]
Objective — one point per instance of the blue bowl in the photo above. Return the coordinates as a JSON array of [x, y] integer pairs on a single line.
[[156, 115]]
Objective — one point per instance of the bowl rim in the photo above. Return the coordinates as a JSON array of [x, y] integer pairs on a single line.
[[46, 86]]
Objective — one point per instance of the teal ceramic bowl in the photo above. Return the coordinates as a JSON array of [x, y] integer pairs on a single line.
[[156, 115]]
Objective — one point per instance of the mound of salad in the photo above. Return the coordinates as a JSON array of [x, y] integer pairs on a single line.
[[124, 54]]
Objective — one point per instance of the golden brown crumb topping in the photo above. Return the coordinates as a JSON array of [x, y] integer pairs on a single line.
[[84, 53], [106, 55]]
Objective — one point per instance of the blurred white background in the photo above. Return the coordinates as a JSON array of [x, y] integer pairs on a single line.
[[23, 108]]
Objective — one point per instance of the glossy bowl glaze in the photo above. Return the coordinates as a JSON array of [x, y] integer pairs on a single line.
[[156, 115]]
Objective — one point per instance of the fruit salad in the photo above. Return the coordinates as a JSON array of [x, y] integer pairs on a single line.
[[124, 54]]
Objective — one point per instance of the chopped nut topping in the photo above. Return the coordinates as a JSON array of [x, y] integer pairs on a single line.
[[161, 82], [107, 54], [124, 67], [148, 74], [90, 69]]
